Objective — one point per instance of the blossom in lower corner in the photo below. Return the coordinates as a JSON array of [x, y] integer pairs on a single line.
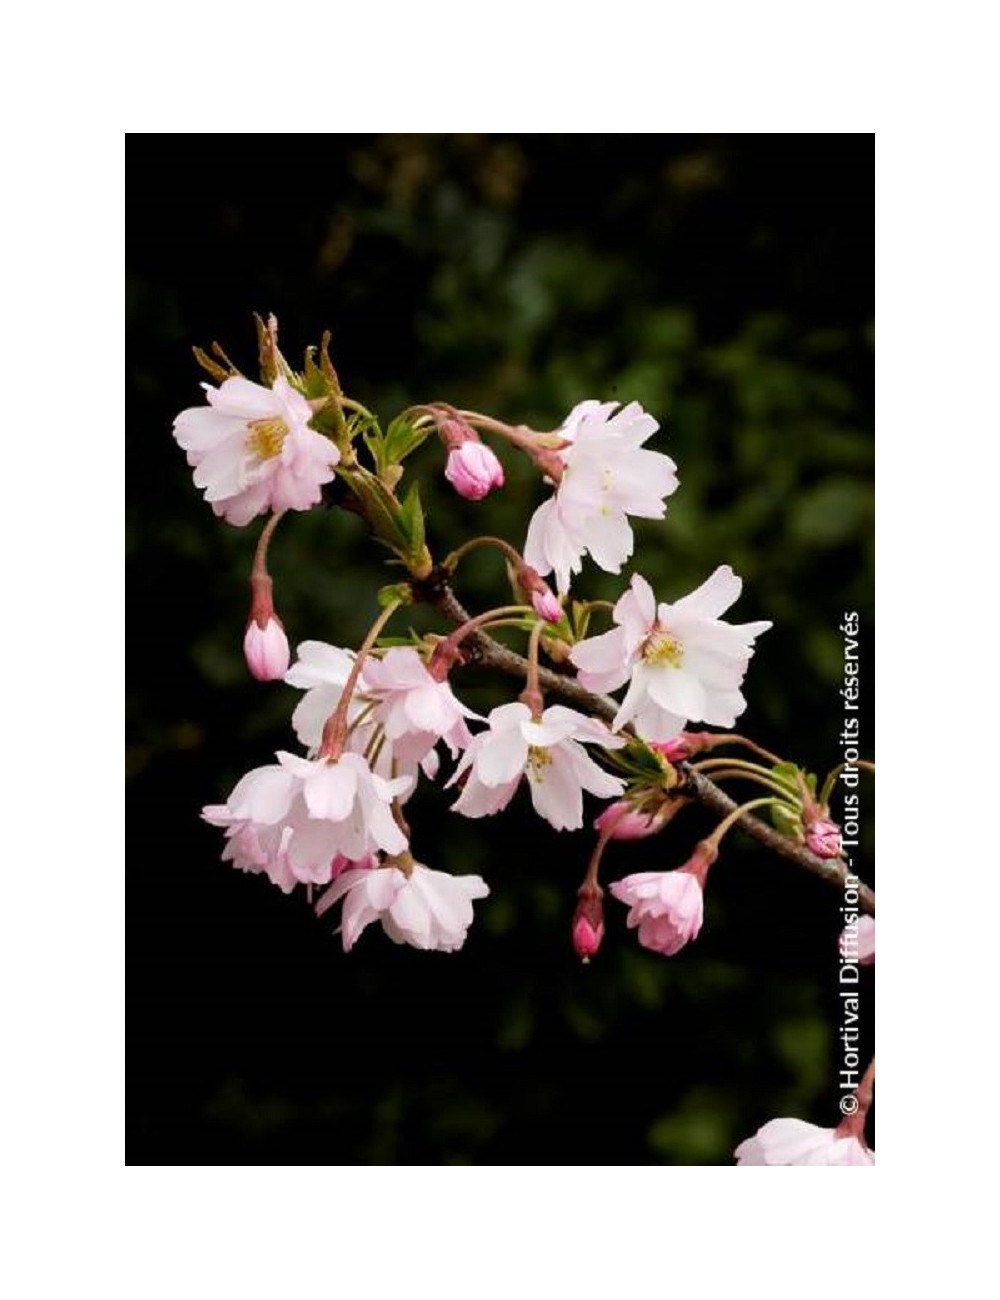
[[682, 662], [293, 819], [607, 475], [548, 752], [427, 909], [252, 449], [794, 1142]]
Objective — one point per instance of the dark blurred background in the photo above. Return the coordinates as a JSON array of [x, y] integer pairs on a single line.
[[725, 282]]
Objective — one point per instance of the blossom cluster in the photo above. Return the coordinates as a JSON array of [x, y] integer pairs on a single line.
[[372, 723], [332, 819]]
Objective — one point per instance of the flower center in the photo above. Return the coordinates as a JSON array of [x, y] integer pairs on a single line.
[[267, 437], [662, 648], [538, 759]]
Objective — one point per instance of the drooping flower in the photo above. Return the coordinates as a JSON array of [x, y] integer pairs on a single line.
[[425, 908], [549, 752], [684, 663], [857, 942], [607, 475], [667, 907], [253, 450], [415, 708], [266, 650], [473, 469], [294, 818], [794, 1142]]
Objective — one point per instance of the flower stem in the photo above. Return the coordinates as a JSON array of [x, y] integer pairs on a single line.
[[715, 839], [831, 779], [335, 727], [593, 866], [739, 774], [352, 405], [450, 562], [726, 761], [525, 439], [446, 651], [532, 693], [747, 743], [259, 569]]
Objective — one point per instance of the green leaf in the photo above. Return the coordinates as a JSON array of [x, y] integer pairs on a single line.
[[403, 437]]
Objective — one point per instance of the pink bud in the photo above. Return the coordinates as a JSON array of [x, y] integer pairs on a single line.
[[823, 838], [586, 940], [473, 470], [627, 823], [266, 650], [685, 745], [588, 921], [546, 606]]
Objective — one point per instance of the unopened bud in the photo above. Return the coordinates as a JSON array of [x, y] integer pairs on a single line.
[[266, 650], [473, 469], [623, 821], [823, 837], [265, 645], [685, 745], [588, 921]]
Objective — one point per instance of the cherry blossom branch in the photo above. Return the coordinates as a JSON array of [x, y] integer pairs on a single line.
[[435, 590]]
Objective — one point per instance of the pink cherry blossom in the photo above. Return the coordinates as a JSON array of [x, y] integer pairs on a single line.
[[292, 819], [266, 650], [607, 475], [823, 838], [548, 752], [794, 1142], [473, 470], [425, 908], [253, 450], [625, 822], [681, 661], [415, 708], [857, 942], [667, 907]]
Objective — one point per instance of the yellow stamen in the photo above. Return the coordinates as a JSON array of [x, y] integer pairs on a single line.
[[538, 759], [267, 437], [662, 648]]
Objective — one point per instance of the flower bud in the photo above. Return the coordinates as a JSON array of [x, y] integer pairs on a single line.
[[685, 745], [266, 650], [588, 921], [823, 838], [546, 606], [473, 470], [623, 821]]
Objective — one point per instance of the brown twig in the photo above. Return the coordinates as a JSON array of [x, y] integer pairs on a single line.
[[436, 591]]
